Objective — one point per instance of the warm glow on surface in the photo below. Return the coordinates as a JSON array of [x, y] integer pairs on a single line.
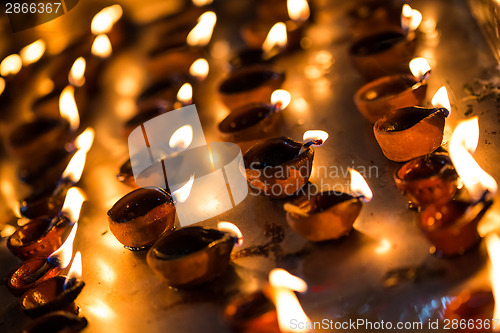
[[231, 229], [76, 75], [73, 204], [475, 179], [104, 20], [68, 107], [277, 37], [383, 247], [182, 194], [7, 230], [185, 94], [281, 98], [419, 67], [62, 256], [279, 277], [33, 52], [11, 65], [181, 138], [2, 85], [410, 18], [493, 246], [85, 140], [201, 3], [75, 271], [440, 99], [318, 137], [298, 10], [199, 69], [201, 34], [102, 46], [359, 187]]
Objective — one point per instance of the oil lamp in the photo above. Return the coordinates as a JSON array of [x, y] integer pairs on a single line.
[[193, 255], [413, 131], [381, 96], [58, 321], [328, 215], [31, 272], [371, 17]]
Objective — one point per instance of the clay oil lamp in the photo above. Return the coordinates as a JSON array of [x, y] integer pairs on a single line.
[[410, 132], [30, 273], [141, 217], [381, 96], [58, 321], [328, 215], [56, 293], [451, 227], [279, 167], [193, 255], [373, 16], [427, 179], [253, 84], [254, 121]]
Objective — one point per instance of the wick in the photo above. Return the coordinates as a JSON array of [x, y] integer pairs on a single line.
[[292, 209], [424, 76], [38, 273], [308, 144]]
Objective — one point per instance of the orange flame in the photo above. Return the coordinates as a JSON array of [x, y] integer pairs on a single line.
[[318, 137], [68, 107], [74, 170], [280, 98], [298, 10], [201, 3], [62, 256], [201, 34], [199, 69], [33, 52], [102, 46], [185, 94], [493, 246], [419, 67], [410, 18], [85, 140], [75, 271], [2, 85], [76, 75], [277, 37], [231, 229], [104, 20], [73, 204], [11, 65], [440, 99], [182, 194], [359, 186], [9, 194]]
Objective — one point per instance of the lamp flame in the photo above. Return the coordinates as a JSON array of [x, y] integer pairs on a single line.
[[184, 191], [493, 246], [74, 170], [68, 108], [231, 229], [62, 256], [440, 99], [201, 34], [298, 10], [277, 37], [9, 194], [75, 271], [182, 137], [287, 305], [199, 69], [476, 180], [420, 67], [2, 85], [76, 76], [201, 3], [359, 186], [185, 94], [85, 140], [410, 18], [73, 204], [11, 65], [33, 52], [104, 20], [316, 137], [280, 98], [102, 46]]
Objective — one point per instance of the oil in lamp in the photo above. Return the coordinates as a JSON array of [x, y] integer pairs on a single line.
[[328, 215], [383, 95], [193, 255], [57, 321], [410, 132], [279, 167]]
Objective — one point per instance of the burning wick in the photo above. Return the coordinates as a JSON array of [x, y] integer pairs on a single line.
[[184, 95], [313, 138], [359, 187], [280, 99], [233, 230], [420, 68]]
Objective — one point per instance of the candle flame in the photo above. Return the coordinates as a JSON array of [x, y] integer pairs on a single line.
[[185, 94], [419, 67], [68, 108], [9, 194], [298, 10], [231, 229], [76, 75], [2, 85], [201, 34], [287, 305], [199, 69], [493, 246], [75, 271], [318, 137], [277, 37], [33, 52], [281, 98], [359, 187], [184, 191], [104, 20], [440, 99], [11, 65], [201, 3], [475, 179], [62, 256], [181, 138], [102, 46], [85, 140], [410, 18], [74, 170], [73, 204]]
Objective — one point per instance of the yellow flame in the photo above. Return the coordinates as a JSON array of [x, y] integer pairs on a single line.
[[315, 135], [493, 246], [184, 191], [68, 108], [181, 138], [185, 94], [383, 247], [6, 230], [75, 167], [9, 194], [410, 18], [201, 3], [281, 98], [359, 186], [419, 66], [231, 229], [62, 256], [85, 140], [475, 179], [201, 34], [76, 75], [75, 271], [73, 204], [104, 20], [440, 99], [2, 85], [199, 69], [277, 37], [298, 10], [279, 277], [11, 65], [33, 52], [102, 46]]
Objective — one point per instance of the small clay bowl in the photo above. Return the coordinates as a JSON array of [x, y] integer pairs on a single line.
[[29, 274], [38, 238], [248, 85], [45, 201], [141, 217], [250, 57], [472, 306], [249, 122], [275, 168], [164, 90], [374, 16], [191, 256], [410, 132], [50, 295], [381, 96], [58, 321], [172, 60], [429, 179], [143, 116], [327, 215], [383, 54], [252, 313]]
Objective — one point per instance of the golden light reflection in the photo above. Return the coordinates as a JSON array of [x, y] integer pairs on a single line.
[[359, 186], [280, 98], [104, 20], [298, 10], [46, 86], [68, 107], [11, 65], [493, 246], [9, 195], [33, 52], [199, 69], [106, 272], [201, 3], [76, 76], [7, 230], [62, 256], [182, 194], [101, 309], [102, 46], [231, 229], [276, 38], [383, 247], [201, 34], [73, 204], [300, 104], [181, 138]]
